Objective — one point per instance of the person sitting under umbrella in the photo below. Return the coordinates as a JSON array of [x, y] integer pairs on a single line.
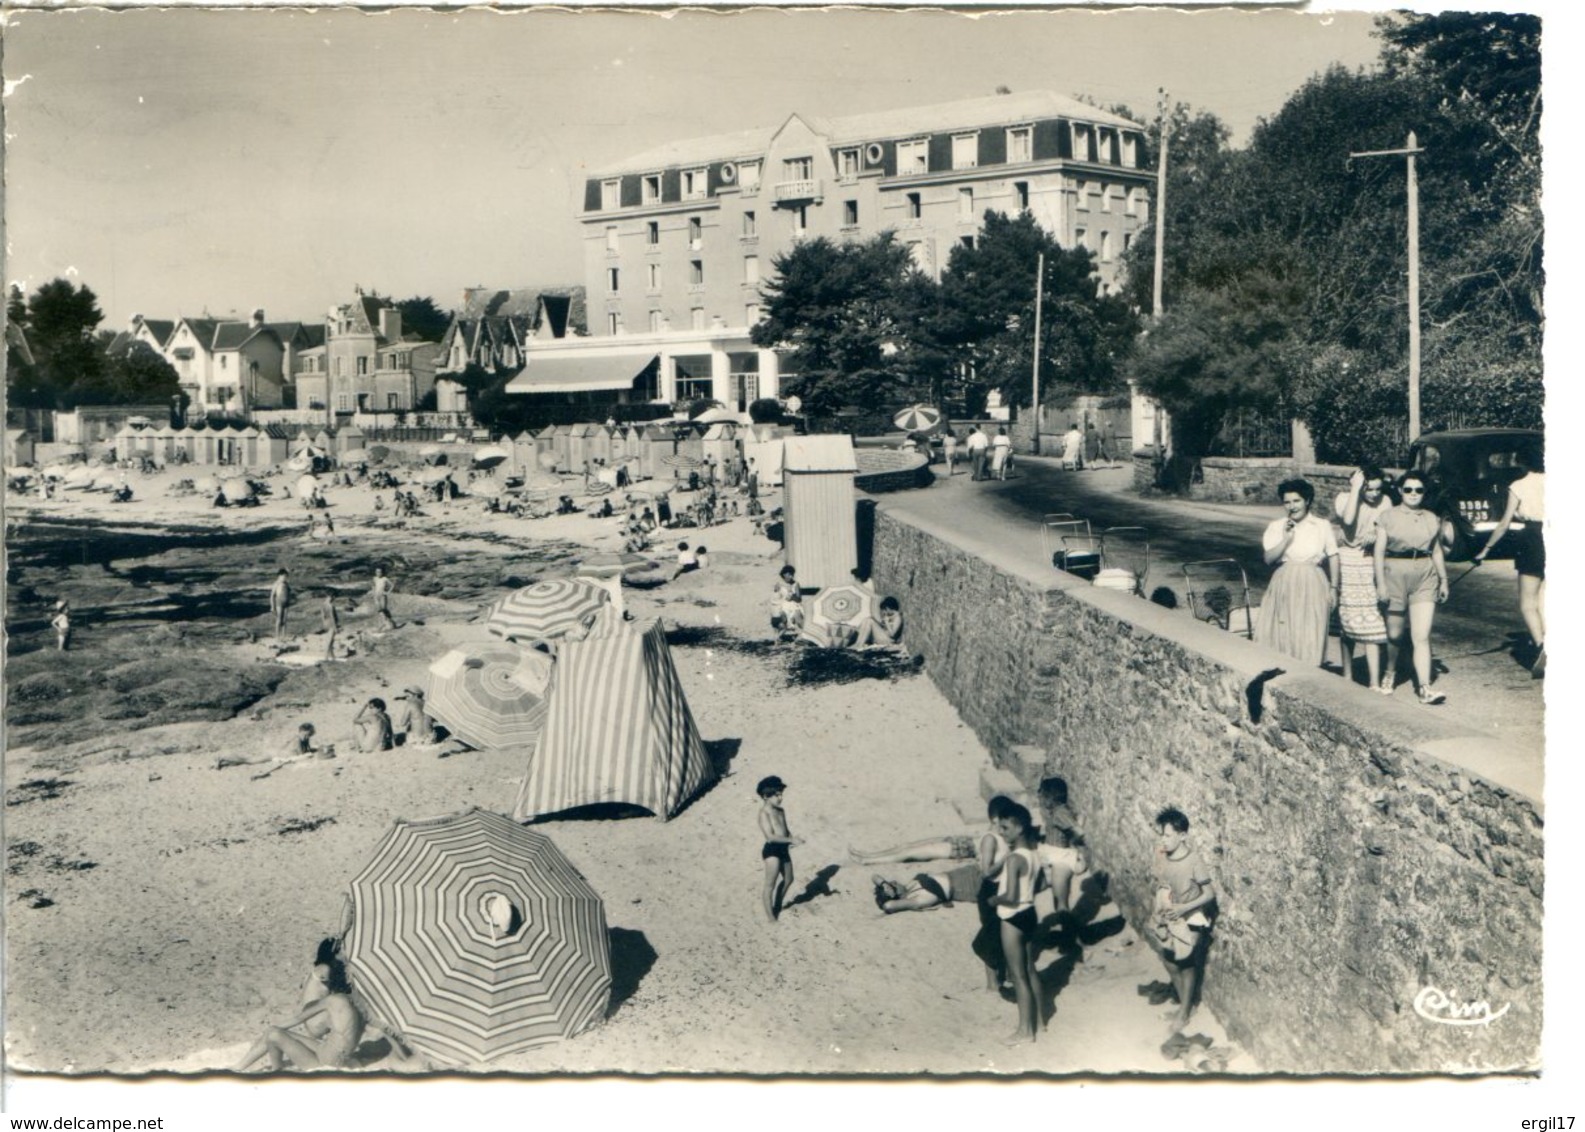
[[331, 1024], [374, 727], [417, 729]]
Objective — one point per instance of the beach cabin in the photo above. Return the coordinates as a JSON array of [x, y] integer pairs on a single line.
[[690, 440], [349, 439], [659, 441], [18, 447], [524, 460], [545, 447], [764, 447], [821, 534], [599, 442], [578, 447], [275, 444], [188, 442], [561, 445], [720, 445], [248, 444]]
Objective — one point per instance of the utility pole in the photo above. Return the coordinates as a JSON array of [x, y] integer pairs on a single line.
[[1161, 205], [1408, 152], [1040, 279]]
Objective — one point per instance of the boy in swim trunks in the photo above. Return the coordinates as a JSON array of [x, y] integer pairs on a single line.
[[778, 842], [1180, 929]]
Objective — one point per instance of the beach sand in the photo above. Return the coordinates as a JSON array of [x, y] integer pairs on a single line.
[[162, 912]]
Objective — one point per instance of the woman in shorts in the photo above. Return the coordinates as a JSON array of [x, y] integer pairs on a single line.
[[1411, 579]]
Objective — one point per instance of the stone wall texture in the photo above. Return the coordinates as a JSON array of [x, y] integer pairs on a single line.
[[1372, 893]]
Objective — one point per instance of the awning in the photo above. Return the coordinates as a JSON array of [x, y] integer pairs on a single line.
[[581, 375]]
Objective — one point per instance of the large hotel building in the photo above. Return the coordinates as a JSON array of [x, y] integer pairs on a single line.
[[679, 239]]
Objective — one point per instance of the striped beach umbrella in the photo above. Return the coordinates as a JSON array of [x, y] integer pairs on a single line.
[[474, 938], [841, 605], [354, 456], [490, 455], [545, 610], [678, 460], [918, 418], [301, 462], [619, 729], [490, 695], [613, 564]]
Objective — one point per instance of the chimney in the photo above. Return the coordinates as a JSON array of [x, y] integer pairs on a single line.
[[390, 324], [134, 322], [258, 317]]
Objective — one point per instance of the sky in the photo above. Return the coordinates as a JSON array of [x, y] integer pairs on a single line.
[[180, 160]]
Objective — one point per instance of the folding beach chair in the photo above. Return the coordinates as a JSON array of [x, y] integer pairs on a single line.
[[1125, 552], [1218, 592]]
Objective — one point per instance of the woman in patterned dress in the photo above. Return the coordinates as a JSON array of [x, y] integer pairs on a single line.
[[1357, 510]]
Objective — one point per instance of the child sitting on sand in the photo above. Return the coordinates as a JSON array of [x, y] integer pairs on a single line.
[[687, 560], [778, 841], [787, 609]]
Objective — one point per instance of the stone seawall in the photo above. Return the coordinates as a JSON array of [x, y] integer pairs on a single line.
[[1380, 870]]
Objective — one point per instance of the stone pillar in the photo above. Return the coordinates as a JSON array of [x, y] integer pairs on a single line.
[[769, 374], [668, 377], [1303, 444], [720, 375]]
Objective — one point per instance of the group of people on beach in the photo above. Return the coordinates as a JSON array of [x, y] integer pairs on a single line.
[[1381, 563], [881, 629], [1001, 871]]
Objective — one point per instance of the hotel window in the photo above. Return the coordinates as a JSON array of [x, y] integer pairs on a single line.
[[797, 169], [965, 203], [655, 322], [1106, 247], [393, 401], [613, 279], [1130, 151], [610, 195], [748, 175], [1128, 241], [800, 220], [1103, 146], [749, 231], [344, 402], [695, 232], [694, 183], [225, 361], [915, 206], [751, 269], [751, 314], [696, 272], [1082, 200], [652, 233], [848, 164], [651, 188], [363, 365], [965, 151], [654, 276], [610, 238], [1106, 198], [913, 157], [967, 241], [1021, 195], [696, 318], [1081, 239], [1130, 203], [1021, 144], [850, 214], [613, 323]]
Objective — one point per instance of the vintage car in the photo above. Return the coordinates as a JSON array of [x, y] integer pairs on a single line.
[[1469, 470]]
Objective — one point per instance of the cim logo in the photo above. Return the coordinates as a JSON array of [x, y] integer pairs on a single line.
[[1434, 1005]]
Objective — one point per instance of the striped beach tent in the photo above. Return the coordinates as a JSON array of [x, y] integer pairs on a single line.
[[473, 938], [618, 729]]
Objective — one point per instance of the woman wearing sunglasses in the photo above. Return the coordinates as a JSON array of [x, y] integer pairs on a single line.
[[1411, 578]]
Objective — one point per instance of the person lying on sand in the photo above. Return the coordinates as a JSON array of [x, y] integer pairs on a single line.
[[928, 890], [322, 1035], [299, 748]]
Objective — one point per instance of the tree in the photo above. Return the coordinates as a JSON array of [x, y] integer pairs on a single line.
[[139, 375], [421, 316], [838, 311], [68, 364], [987, 312]]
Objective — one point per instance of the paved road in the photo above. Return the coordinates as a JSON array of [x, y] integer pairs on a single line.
[[1475, 632]]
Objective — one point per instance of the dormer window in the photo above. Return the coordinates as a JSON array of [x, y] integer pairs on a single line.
[[848, 164], [965, 151], [1020, 144], [610, 195], [650, 188], [913, 157], [694, 184]]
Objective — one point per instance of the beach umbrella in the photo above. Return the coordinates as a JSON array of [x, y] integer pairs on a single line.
[[840, 605], [236, 490], [490, 455], [678, 460], [486, 488], [80, 477], [301, 462], [53, 471], [474, 938], [433, 475], [21, 473], [378, 452], [206, 485], [490, 695], [546, 609], [613, 564], [355, 456], [305, 487], [918, 418]]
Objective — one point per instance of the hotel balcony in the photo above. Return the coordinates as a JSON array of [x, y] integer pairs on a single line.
[[796, 192]]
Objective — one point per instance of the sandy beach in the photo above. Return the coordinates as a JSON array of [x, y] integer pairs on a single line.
[[163, 911]]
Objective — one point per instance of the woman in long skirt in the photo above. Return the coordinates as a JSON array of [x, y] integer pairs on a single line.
[[1357, 510], [1295, 612]]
